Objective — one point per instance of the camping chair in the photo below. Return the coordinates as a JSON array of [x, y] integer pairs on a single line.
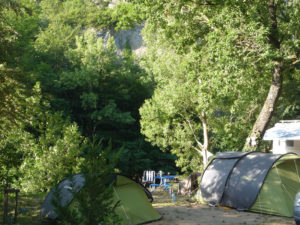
[[149, 178]]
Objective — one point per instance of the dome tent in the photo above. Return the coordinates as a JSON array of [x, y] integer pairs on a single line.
[[134, 206], [254, 181]]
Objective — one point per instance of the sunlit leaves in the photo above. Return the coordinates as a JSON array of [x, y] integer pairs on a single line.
[[221, 51], [57, 146]]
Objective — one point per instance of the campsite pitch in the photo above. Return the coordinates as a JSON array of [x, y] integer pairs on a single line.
[[183, 212], [186, 212]]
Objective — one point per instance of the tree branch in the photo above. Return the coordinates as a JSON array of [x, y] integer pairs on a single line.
[[188, 122], [199, 151], [273, 20]]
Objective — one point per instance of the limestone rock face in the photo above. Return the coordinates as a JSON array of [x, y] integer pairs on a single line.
[[132, 37]]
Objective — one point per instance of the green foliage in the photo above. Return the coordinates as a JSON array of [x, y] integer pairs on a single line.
[[126, 15], [14, 145], [62, 21], [169, 120], [14, 141], [8, 33], [289, 105], [11, 95], [57, 151], [82, 79], [214, 57], [85, 78], [104, 92], [18, 25], [100, 85], [172, 118], [93, 206], [137, 156]]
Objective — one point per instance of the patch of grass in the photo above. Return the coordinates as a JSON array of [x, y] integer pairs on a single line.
[[30, 204]]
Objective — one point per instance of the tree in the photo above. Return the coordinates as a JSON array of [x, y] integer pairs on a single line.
[[283, 23], [236, 46], [97, 84], [169, 121], [208, 87], [14, 146], [8, 33], [92, 206], [39, 45], [57, 151], [12, 87], [104, 91], [288, 104], [12, 95]]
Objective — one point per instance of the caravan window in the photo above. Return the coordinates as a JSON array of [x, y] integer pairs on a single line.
[[289, 143]]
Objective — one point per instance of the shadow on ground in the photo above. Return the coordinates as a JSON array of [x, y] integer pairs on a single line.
[[186, 212]]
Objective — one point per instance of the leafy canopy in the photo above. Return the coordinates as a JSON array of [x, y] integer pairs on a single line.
[[215, 57]]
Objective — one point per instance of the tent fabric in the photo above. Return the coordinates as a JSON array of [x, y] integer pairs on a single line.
[[214, 179], [134, 207], [280, 188], [216, 175], [253, 181], [246, 180], [231, 155], [76, 182]]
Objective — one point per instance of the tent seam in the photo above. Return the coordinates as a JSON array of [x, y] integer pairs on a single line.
[[230, 173], [267, 175]]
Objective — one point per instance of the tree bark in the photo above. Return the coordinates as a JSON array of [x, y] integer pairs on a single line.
[[267, 111], [265, 115], [204, 151]]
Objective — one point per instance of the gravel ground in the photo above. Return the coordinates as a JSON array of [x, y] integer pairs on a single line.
[[186, 212]]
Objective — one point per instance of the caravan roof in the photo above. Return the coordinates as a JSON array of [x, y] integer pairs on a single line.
[[285, 129]]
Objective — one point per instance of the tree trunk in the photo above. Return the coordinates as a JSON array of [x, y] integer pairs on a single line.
[[265, 115], [267, 111], [202, 149], [205, 153]]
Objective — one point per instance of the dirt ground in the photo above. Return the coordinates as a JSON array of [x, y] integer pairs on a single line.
[[186, 212]]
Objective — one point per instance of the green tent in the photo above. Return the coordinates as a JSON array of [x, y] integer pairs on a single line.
[[280, 188], [255, 181], [134, 207]]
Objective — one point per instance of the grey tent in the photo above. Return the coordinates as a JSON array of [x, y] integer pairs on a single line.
[[253, 181], [66, 196]]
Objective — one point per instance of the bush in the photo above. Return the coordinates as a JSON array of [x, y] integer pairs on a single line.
[[93, 204]]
